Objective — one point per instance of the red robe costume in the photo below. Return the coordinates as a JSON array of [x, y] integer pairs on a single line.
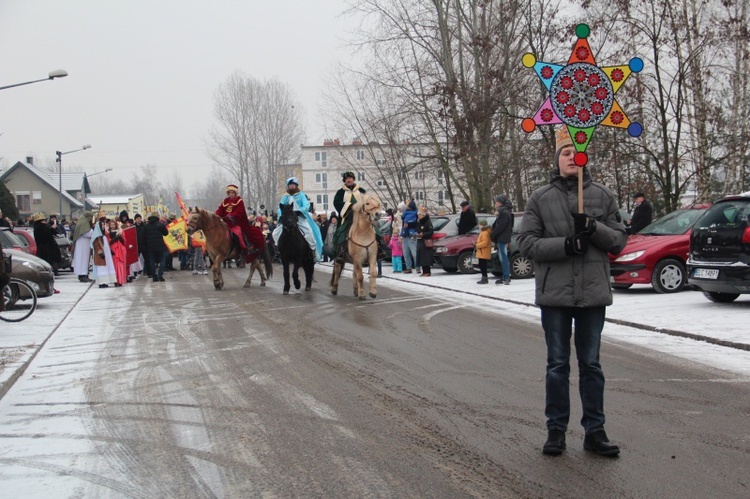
[[119, 255], [233, 212]]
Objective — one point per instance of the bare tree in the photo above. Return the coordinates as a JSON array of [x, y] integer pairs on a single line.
[[259, 126]]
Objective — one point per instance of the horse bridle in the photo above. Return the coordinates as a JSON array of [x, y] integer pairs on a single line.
[[374, 239]]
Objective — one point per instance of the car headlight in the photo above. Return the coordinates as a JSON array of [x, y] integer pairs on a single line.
[[629, 257], [33, 266], [441, 249]]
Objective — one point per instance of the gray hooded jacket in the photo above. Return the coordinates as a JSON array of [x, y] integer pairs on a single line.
[[577, 280]]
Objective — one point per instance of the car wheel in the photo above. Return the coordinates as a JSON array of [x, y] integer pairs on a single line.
[[464, 263], [450, 270], [521, 267], [668, 276], [621, 286], [721, 297]]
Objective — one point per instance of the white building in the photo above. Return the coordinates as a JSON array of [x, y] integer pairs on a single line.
[[392, 171]]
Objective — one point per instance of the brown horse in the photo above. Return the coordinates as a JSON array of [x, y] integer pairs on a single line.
[[362, 246], [220, 247]]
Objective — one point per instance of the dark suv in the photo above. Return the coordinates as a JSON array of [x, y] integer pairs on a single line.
[[719, 262]]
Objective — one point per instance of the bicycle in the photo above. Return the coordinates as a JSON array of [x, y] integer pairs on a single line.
[[19, 301]]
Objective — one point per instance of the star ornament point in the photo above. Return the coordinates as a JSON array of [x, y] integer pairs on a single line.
[[581, 94]]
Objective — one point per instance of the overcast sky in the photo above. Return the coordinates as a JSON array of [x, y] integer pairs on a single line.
[[142, 74]]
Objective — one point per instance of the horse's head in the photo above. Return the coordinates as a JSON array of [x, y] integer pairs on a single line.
[[195, 220], [371, 207], [288, 218]]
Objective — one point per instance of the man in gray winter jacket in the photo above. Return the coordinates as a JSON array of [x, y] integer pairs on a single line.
[[571, 269]]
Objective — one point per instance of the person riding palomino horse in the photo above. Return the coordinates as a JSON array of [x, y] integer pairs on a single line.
[[347, 196], [232, 211]]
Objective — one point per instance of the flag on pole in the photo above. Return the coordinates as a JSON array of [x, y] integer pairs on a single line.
[[182, 206]]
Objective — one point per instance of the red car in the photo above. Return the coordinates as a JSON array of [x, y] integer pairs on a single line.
[[657, 254], [28, 237]]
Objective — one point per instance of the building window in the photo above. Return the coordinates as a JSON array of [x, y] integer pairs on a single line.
[[23, 202], [402, 175], [360, 176], [419, 175], [36, 197], [322, 202], [381, 162], [360, 155], [321, 178], [419, 196], [442, 197], [322, 158], [382, 183]]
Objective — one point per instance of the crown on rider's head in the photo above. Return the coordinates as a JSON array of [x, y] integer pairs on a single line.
[[232, 187], [292, 180]]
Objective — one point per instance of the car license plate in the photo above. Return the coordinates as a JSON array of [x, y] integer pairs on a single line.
[[706, 273]]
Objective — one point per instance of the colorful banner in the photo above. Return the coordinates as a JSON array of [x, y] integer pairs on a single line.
[[198, 239], [177, 239]]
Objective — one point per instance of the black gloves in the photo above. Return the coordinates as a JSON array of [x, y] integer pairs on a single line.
[[584, 224], [577, 244]]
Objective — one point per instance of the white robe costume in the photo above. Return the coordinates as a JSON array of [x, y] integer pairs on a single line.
[[82, 254], [103, 274]]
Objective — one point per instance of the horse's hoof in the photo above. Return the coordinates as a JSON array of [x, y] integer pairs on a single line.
[[286, 291], [362, 298], [262, 284], [373, 295], [246, 286], [334, 292], [308, 288]]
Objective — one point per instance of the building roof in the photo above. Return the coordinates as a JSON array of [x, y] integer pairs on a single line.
[[118, 199], [68, 180]]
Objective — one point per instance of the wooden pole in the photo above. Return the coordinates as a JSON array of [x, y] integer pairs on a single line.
[[580, 190]]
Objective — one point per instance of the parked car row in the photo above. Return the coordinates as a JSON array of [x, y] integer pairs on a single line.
[[454, 253], [66, 247]]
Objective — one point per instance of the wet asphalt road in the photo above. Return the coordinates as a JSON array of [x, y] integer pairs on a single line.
[[248, 393]]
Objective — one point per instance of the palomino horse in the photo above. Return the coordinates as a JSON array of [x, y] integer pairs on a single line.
[[220, 247], [362, 246], [294, 250]]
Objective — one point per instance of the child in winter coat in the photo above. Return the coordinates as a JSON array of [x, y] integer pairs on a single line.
[[484, 249], [396, 252]]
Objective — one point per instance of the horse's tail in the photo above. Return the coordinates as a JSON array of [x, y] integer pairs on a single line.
[[268, 261]]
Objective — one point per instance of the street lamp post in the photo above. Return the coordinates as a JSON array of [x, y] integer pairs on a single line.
[[58, 73], [59, 167], [83, 184]]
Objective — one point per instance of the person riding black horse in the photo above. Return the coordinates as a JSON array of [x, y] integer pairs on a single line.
[[345, 197]]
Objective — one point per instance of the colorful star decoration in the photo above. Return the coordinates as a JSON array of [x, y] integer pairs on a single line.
[[582, 95]]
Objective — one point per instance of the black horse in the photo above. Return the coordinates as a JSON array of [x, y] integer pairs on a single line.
[[294, 250]]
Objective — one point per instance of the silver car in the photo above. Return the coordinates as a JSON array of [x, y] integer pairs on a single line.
[[33, 270]]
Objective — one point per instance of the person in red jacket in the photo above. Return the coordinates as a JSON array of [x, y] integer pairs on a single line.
[[232, 211]]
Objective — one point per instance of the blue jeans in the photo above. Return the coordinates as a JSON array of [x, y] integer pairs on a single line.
[[558, 327], [502, 252], [159, 257], [409, 247]]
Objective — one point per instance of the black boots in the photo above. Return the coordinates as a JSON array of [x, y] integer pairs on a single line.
[[555, 444], [598, 442], [483, 280]]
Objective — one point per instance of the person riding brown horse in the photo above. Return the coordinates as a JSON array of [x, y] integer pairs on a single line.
[[232, 211]]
